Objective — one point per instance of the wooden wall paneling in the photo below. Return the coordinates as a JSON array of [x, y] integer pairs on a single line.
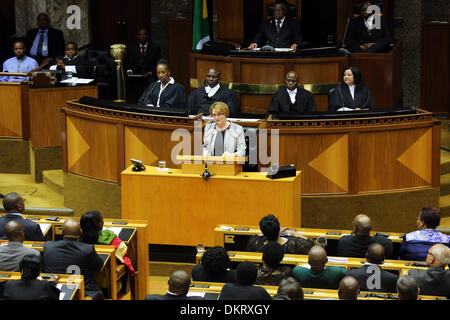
[[225, 67], [64, 140], [263, 72], [436, 155], [230, 20], [10, 110], [121, 160], [252, 103]]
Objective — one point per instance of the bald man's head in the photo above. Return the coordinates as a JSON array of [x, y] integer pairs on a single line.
[[291, 80], [348, 288], [71, 229], [14, 231], [317, 258], [13, 202], [438, 255], [179, 282], [375, 253], [362, 225]]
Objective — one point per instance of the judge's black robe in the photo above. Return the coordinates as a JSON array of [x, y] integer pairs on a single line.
[[173, 96], [281, 102], [199, 102], [84, 68], [341, 97]]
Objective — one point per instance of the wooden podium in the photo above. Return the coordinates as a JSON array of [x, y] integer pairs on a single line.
[[226, 166], [183, 208]]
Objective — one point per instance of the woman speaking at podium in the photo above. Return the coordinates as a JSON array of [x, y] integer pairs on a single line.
[[222, 137], [350, 95]]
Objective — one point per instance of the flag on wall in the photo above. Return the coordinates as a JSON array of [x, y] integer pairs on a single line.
[[200, 33]]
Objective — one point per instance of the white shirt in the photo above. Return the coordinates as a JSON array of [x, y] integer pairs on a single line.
[[352, 91], [172, 81], [281, 22], [212, 91], [292, 94], [370, 22]]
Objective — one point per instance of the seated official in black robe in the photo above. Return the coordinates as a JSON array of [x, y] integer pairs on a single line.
[[363, 34], [292, 99], [72, 62], [165, 92], [352, 94]]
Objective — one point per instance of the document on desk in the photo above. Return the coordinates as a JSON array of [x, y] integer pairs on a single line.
[[283, 49], [116, 230], [75, 80], [61, 292]]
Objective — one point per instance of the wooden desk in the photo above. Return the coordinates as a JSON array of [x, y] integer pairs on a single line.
[[181, 208], [72, 286], [134, 236]]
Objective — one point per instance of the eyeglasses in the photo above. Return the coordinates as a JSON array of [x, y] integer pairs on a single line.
[[214, 115], [428, 252]]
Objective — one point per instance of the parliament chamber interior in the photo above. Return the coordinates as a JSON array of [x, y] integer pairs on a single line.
[[333, 157]]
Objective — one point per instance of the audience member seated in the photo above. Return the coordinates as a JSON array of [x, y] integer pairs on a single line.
[[434, 281], [289, 289], [20, 63], [415, 244], [318, 275], [244, 288], [371, 276], [201, 99], [292, 99], [179, 283], [14, 206], [12, 253], [368, 32], [214, 267], [292, 241], [407, 288], [165, 92], [348, 288], [272, 272], [350, 95], [222, 137], [77, 65], [59, 256], [356, 244], [279, 31], [92, 232], [45, 43], [29, 287]]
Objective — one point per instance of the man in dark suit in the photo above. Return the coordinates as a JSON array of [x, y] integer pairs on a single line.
[[244, 288], [201, 99], [179, 283], [279, 31], [14, 206], [45, 43], [356, 244], [368, 32], [292, 99], [141, 59], [435, 280], [73, 63], [58, 256], [371, 277]]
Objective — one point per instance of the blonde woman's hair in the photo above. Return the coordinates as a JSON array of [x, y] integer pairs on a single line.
[[220, 107]]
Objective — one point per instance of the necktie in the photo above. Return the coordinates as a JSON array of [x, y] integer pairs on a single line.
[[278, 26], [142, 50], [18, 67], [40, 43]]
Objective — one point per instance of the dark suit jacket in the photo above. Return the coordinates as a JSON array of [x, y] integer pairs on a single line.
[[84, 69], [32, 230], [32, 290], [56, 43], [357, 34], [232, 291], [356, 246], [146, 63], [59, 255], [199, 274], [341, 97], [388, 281], [169, 296], [433, 281], [290, 33], [199, 102], [281, 102]]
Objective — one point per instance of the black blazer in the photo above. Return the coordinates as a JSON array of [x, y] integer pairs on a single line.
[[388, 281], [84, 69], [357, 34], [356, 246], [199, 274], [56, 43], [199, 102], [433, 281], [168, 296], [290, 33], [31, 290], [281, 102], [59, 255], [31, 229], [341, 97], [142, 64], [231, 291], [173, 96]]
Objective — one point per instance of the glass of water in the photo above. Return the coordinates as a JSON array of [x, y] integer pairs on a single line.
[[200, 248]]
